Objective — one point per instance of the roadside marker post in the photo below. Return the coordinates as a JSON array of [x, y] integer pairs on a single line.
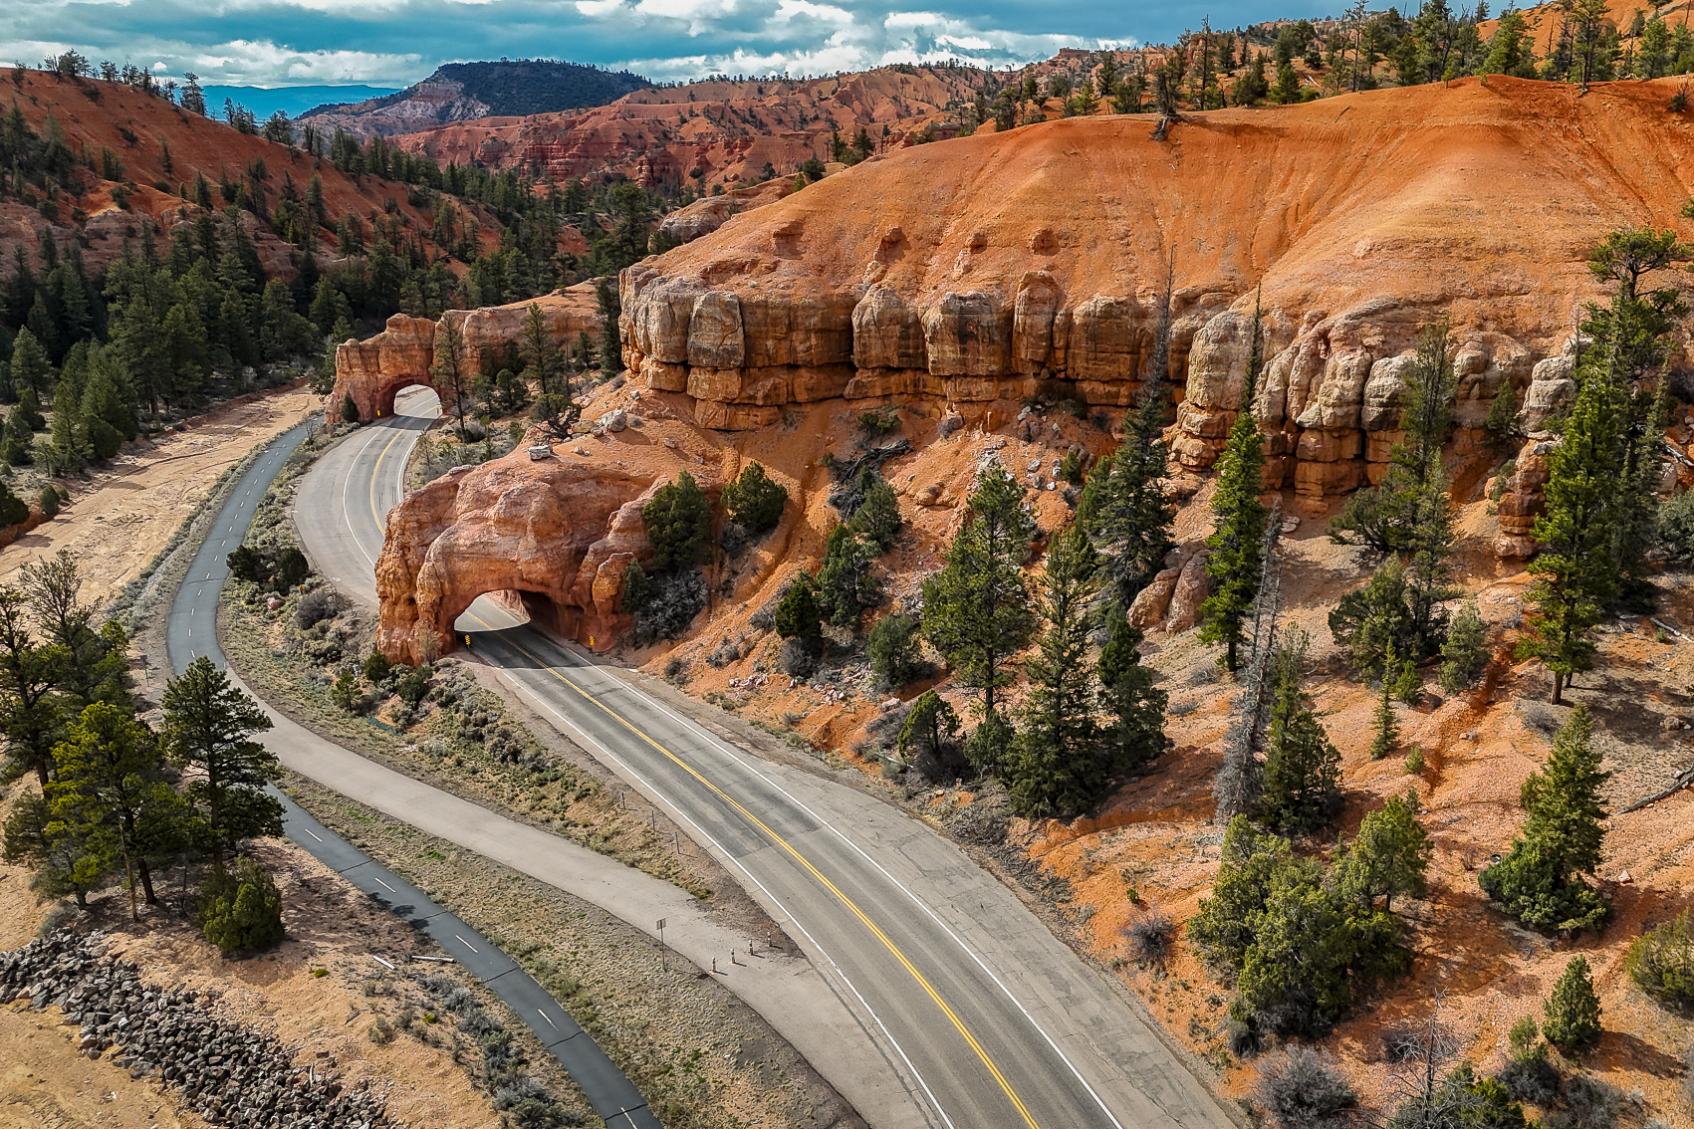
[[661, 931]]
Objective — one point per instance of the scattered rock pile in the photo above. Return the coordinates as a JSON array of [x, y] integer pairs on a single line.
[[227, 1073]]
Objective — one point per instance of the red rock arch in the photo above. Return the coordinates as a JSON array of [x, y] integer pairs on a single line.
[[375, 370]]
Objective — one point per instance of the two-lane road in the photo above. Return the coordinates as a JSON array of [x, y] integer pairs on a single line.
[[992, 1021]]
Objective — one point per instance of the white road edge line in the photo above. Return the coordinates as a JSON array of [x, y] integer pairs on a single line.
[[658, 797]]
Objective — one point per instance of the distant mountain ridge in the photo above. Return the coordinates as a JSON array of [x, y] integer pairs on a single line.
[[459, 92], [291, 100]]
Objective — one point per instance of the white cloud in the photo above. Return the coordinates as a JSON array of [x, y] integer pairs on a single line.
[[788, 10], [595, 9], [261, 62]]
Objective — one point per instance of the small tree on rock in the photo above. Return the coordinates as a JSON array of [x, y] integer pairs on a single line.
[[679, 524], [753, 501]]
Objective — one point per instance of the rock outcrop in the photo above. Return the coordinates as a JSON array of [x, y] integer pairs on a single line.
[[374, 370], [555, 535], [226, 1072], [1000, 266]]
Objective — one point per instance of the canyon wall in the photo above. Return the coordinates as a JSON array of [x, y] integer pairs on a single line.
[[374, 370], [1001, 266]]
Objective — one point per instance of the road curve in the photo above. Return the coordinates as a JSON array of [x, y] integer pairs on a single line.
[[994, 1022], [191, 632]]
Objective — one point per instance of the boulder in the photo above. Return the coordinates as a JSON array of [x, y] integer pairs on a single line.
[[1152, 602], [1192, 588]]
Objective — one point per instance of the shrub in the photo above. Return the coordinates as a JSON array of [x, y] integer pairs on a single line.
[[1151, 935], [377, 668], [1587, 1103], [663, 605], [413, 685], [241, 909], [315, 607], [796, 659], [847, 584], [990, 743], [797, 615], [1071, 467], [1304, 1090], [12, 508], [1661, 962], [48, 502], [878, 422], [754, 501], [893, 649], [1414, 761], [1572, 1012]]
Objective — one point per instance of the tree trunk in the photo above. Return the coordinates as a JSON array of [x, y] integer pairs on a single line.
[[146, 873]]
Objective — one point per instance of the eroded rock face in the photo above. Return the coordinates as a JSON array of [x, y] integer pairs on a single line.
[[374, 370], [1005, 265], [556, 533]]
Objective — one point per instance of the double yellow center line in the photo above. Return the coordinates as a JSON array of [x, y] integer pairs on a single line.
[[788, 848]]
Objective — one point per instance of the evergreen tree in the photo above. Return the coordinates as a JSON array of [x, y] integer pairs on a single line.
[[110, 793], [1222, 929], [754, 501], [1572, 1012], [1575, 574], [847, 582], [209, 728], [1302, 777], [976, 609], [1236, 561], [929, 740], [1510, 51], [797, 614], [1389, 857], [1387, 737], [892, 648], [29, 367], [447, 370], [877, 516], [31, 710], [1060, 766], [241, 909], [1124, 505], [1135, 708], [1464, 652], [679, 524], [1540, 881]]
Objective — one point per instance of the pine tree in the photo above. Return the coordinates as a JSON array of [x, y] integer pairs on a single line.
[[1135, 708], [31, 710], [1575, 575], [877, 516], [1464, 652], [1236, 561], [1302, 778], [929, 740], [1124, 506], [1387, 737], [976, 609], [1222, 930], [847, 582], [1060, 767], [1572, 1012], [209, 728], [1540, 881], [797, 615], [109, 791], [447, 370], [30, 367], [753, 501], [1388, 858], [679, 524]]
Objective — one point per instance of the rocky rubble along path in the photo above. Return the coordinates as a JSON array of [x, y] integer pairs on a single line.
[[228, 1073]]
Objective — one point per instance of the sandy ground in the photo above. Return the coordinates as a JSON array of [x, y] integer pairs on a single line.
[[124, 514], [321, 991]]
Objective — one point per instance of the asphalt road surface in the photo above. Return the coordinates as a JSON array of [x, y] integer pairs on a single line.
[[191, 633], [990, 1019]]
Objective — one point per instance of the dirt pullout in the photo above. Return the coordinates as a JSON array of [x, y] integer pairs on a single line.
[[121, 519]]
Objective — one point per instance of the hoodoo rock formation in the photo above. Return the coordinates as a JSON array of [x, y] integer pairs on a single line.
[[375, 370], [554, 535], [957, 280], [999, 265]]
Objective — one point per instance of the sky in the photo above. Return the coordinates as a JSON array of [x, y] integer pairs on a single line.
[[397, 42]]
